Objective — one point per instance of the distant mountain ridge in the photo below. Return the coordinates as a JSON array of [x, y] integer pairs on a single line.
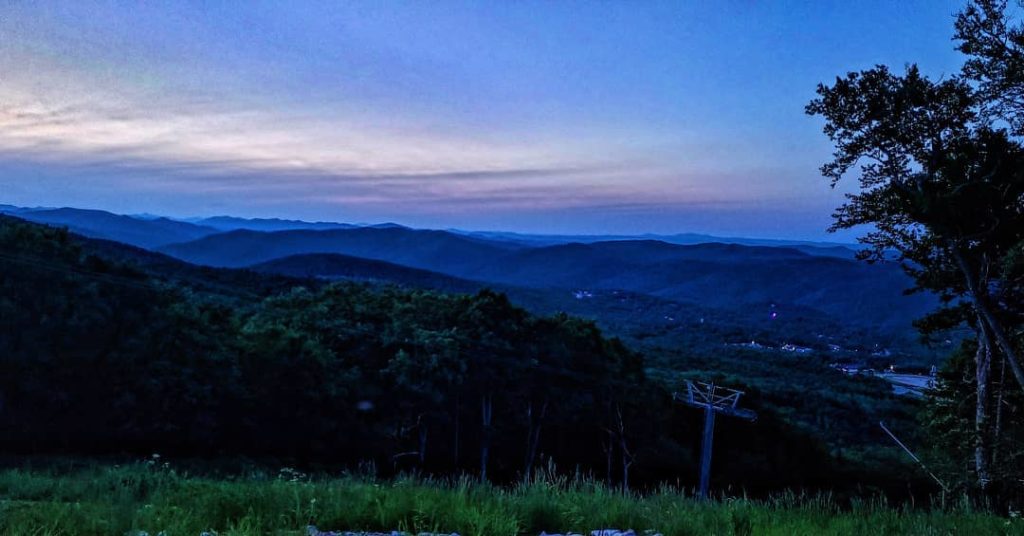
[[91, 220], [231, 223], [153, 231], [827, 249], [429, 250], [146, 233]]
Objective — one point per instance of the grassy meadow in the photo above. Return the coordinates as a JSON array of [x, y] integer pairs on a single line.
[[157, 499]]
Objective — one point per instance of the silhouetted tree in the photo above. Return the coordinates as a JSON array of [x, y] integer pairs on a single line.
[[941, 184]]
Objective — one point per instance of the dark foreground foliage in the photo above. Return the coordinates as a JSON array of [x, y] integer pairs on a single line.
[[159, 499]]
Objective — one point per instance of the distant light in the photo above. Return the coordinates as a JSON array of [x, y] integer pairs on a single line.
[[364, 405]]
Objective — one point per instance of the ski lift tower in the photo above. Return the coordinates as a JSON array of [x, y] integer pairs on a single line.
[[712, 399]]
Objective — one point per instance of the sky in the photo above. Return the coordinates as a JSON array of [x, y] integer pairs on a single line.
[[533, 116]]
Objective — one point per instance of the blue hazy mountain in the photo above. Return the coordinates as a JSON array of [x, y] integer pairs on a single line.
[[231, 223], [430, 250], [152, 231], [142, 232], [828, 249], [104, 224]]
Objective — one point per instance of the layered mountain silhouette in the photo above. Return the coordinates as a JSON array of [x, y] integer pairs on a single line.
[[430, 250], [229, 223], [826, 249], [142, 232], [714, 275], [724, 276]]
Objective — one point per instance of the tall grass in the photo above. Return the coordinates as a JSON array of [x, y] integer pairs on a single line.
[[111, 500]]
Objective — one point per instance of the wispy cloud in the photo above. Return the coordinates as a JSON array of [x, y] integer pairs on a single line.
[[199, 150], [434, 114]]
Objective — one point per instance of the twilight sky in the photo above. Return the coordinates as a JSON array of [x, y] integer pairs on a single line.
[[547, 116]]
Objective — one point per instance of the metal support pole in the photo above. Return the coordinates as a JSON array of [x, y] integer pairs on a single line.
[[712, 399], [705, 452]]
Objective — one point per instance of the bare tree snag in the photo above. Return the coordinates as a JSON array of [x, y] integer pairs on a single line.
[[421, 426], [627, 457], [533, 425], [998, 430], [983, 365], [455, 447]]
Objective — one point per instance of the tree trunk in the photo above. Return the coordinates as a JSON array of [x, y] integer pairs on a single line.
[[422, 429], [627, 458], [626, 462], [980, 299], [609, 450], [455, 448], [486, 407], [533, 436], [998, 431], [983, 365], [1004, 343]]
